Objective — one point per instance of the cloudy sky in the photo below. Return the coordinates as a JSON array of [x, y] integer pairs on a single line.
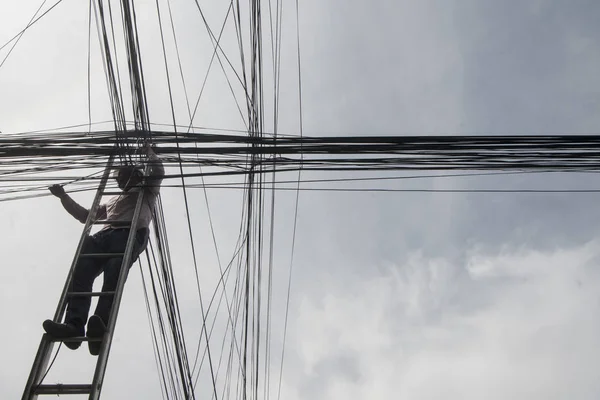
[[394, 295]]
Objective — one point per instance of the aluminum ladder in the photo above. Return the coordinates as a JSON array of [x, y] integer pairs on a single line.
[[35, 386]]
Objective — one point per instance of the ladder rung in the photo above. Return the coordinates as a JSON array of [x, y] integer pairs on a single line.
[[101, 255], [112, 193], [63, 389], [90, 294], [113, 223], [74, 339]]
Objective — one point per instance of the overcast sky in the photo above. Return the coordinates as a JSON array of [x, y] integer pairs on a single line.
[[404, 295]]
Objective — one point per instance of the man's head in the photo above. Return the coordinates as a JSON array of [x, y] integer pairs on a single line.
[[128, 176]]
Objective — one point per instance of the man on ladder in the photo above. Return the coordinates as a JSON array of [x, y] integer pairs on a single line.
[[112, 239]]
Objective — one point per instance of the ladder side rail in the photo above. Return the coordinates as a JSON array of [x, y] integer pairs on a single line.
[[42, 357], [98, 380]]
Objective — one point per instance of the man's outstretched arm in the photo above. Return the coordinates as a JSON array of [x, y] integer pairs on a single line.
[[78, 212]]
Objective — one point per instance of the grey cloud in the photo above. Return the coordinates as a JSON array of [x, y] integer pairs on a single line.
[[529, 66]]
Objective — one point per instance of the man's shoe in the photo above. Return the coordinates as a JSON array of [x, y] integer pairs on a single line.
[[95, 329], [63, 331]]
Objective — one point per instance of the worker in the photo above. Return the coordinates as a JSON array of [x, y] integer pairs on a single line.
[[111, 238]]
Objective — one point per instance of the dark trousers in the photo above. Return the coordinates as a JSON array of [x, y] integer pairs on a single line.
[[88, 269]]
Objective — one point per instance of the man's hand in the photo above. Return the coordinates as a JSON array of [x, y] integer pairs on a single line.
[[57, 190], [148, 149], [69, 204]]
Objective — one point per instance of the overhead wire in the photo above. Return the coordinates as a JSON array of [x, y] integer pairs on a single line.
[[89, 67], [202, 178], [215, 53], [275, 43], [20, 35], [166, 358], [189, 384], [155, 344], [295, 224], [29, 25]]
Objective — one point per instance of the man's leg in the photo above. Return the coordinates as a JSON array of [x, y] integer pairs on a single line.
[[97, 322], [86, 270], [112, 269]]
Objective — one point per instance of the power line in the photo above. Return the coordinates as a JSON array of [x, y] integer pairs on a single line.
[[21, 34], [30, 24]]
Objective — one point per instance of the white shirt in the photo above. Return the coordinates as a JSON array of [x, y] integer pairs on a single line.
[[122, 207]]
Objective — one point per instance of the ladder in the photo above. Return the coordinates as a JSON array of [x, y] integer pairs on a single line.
[[35, 386]]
